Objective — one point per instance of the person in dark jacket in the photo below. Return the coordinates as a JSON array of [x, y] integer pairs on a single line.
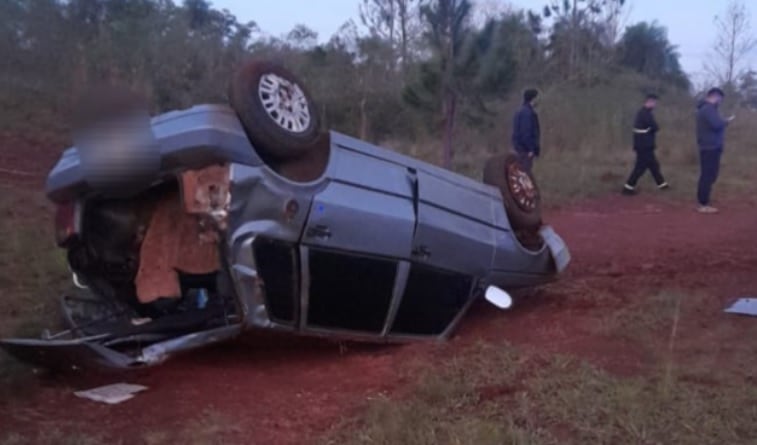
[[526, 131], [645, 130], [710, 136]]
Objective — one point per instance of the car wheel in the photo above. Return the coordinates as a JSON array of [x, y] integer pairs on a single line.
[[275, 109], [519, 191]]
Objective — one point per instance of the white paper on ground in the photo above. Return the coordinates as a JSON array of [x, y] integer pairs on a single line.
[[111, 394]]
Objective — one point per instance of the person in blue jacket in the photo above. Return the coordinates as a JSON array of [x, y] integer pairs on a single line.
[[526, 131], [645, 130], [710, 137]]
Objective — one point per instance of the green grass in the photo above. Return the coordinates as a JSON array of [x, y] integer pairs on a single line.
[[32, 273], [586, 143], [498, 394], [32, 269], [566, 177], [208, 428], [211, 427]]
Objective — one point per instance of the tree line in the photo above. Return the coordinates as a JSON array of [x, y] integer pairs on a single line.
[[401, 69]]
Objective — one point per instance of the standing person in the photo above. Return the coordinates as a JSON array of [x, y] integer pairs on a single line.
[[710, 136], [645, 130], [526, 131]]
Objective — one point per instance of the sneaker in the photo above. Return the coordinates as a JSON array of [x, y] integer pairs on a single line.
[[628, 190], [664, 186], [707, 209]]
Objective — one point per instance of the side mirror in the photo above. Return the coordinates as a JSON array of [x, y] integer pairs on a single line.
[[498, 297]]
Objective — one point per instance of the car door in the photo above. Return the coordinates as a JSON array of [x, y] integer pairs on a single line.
[[359, 231], [453, 246], [455, 229]]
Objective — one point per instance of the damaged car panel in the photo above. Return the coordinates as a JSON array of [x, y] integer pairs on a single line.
[[256, 221]]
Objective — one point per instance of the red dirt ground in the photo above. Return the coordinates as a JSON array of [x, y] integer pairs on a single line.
[[26, 160], [284, 390]]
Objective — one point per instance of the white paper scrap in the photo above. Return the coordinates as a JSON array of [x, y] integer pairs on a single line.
[[111, 394]]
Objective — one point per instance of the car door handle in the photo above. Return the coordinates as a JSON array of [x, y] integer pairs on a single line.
[[319, 231], [422, 251]]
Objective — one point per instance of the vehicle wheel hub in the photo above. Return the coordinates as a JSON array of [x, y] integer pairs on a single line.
[[284, 102], [522, 187]]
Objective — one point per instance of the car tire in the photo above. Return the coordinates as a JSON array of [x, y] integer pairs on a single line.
[[519, 191], [279, 130]]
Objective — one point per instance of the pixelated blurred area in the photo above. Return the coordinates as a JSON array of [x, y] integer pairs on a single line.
[[113, 134], [103, 104]]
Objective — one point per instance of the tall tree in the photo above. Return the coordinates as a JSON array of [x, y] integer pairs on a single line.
[[614, 18], [391, 21], [520, 32], [302, 37], [645, 48], [406, 12], [374, 85], [487, 10], [579, 34], [465, 67], [734, 43]]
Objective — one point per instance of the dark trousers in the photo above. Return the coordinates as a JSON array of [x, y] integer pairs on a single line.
[[645, 160], [709, 164], [526, 161]]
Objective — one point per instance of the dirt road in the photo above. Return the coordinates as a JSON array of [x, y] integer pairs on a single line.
[[282, 390]]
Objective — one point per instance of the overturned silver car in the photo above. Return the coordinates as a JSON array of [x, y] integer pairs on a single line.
[[248, 217]]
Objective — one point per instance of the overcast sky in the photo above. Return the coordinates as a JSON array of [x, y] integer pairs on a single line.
[[689, 22]]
